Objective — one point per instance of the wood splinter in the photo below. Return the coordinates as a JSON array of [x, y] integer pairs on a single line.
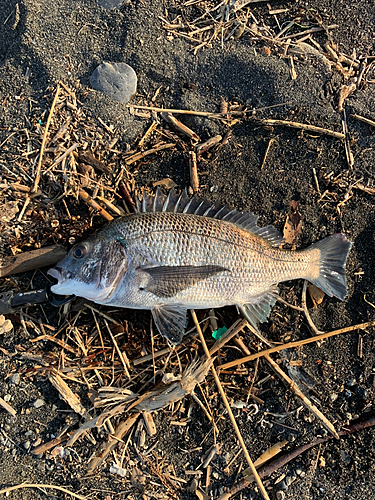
[[180, 127], [205, 146], [194, 181]]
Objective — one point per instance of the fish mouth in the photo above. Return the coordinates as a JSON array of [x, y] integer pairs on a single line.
[[56, 273]]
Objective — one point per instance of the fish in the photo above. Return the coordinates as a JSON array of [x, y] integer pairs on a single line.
[[177, 253]]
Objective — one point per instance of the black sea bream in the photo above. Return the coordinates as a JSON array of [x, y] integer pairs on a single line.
[[178, 253]]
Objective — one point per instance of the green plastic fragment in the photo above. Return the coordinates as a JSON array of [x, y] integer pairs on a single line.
[[217, 334]]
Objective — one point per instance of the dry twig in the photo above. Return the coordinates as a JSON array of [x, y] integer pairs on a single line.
[[44, 140], [229, 409], [298, 343], [47, 486]]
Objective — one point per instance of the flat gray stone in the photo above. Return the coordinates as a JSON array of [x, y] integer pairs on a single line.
[[116, 80], [111, 4]]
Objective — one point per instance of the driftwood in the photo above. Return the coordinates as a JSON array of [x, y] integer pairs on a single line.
[[28, 261]]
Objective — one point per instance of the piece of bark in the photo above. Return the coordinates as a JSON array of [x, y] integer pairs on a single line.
[[28, 261], [94, 162]]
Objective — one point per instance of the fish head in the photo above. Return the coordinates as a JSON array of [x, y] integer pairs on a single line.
[[92, 269]]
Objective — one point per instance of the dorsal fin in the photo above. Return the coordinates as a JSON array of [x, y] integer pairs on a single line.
[[183, 204]]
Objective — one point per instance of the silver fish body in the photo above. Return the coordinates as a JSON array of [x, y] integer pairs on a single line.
[[176, 254]]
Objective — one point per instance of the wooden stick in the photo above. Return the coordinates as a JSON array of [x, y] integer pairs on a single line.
[[126, 196], [363, 119], [305, 400], [180, 111], [205, 146], [311, 30], [306, 311], [300, 126], [229, 409], [90, 201], [267, 470], [297, 343], [66, 393], [122, 355], [7, 407], [139, 156], [237, 327], [180, 127], [108, 447], [63, 156], [28, 261], [36, 485], [194, 180], [44, 140]]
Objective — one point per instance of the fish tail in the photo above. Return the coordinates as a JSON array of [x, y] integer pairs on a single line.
[[331, 277]]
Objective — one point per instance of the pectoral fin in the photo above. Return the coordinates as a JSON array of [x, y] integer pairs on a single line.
[[167, 281], [170, 321]]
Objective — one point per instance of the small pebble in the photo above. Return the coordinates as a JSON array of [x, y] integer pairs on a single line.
[[333, 397], [7, 398], [280, 495], [38, 403], [116, 80], [27, 445], [309, 418], [15, 378], [345, 457], [362, 392], [352, 382], [291, 437]]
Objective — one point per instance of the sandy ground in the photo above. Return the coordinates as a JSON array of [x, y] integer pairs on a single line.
[[46, 42]]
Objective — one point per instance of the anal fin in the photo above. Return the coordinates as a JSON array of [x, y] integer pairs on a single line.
[[170, 320], [258, 310]]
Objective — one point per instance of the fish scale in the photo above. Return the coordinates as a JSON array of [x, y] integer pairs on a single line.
[[178, 254]]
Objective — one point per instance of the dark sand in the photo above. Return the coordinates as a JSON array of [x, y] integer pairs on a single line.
[[65, 40]]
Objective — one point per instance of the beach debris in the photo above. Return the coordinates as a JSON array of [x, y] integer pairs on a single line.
[[8, 211], [267, 455], [116, 80], [293, 225], [66, 393], [180, 127], [5, 325], [193, 167], [316, 294], [116, 469], [4, 404], [166, 182]]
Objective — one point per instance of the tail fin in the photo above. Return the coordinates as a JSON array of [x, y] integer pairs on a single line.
[[333, 253]]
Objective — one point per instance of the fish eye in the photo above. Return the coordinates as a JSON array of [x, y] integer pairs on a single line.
[[79, 251]]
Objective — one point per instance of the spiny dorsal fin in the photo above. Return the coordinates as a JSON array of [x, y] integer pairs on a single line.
[[184, 204]]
